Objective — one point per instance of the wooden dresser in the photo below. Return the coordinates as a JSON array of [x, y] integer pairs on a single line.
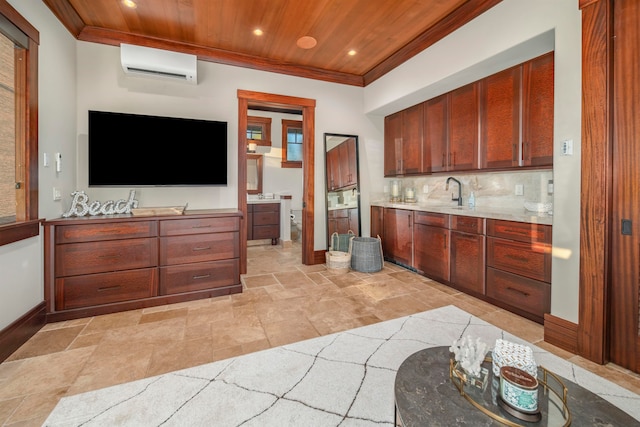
[[98, 265]]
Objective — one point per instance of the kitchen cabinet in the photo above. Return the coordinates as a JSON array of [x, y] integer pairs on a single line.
[[398, 236], [403, 142], [468, 254], [500, 118], [347, 163], [435, 148], [463, 129], [334, 177], [342, 221], [98, 265], [537, 111], [377, 222], [431, 247], [265, 221], [519, 267]]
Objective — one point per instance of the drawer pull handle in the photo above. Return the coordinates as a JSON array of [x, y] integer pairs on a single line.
[[509, 288], [202, 226], [517, 258], [203, 276], [109, 288], [202, 248], [109, 256]]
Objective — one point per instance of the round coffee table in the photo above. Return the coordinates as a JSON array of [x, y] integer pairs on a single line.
[[426, 396]]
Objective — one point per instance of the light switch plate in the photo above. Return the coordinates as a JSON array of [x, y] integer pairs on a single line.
[[519, 190], [567, 147]]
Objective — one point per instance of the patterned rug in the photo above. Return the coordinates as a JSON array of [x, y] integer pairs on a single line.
[[344, 379]]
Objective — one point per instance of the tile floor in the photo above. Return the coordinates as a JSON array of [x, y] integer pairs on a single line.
[[283, 302]]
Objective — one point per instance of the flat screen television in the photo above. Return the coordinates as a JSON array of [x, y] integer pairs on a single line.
[[133, 150]]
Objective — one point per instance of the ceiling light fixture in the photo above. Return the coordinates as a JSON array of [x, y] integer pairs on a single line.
[[258, 32], [130, 4], [351, 52], [306, 42]]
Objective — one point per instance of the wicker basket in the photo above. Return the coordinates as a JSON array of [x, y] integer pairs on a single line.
[[340, 242], [337, 260], [366, 254]]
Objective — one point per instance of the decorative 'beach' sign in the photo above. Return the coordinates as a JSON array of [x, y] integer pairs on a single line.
[[80, 205]]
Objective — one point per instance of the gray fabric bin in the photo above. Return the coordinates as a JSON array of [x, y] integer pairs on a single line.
[[366, 254]]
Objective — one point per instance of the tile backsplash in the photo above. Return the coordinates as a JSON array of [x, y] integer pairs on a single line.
[[491, 189]]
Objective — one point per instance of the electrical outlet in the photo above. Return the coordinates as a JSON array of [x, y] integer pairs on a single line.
[[45, 160], [567, 147], [425, 189], [519, 190], [57, 194]]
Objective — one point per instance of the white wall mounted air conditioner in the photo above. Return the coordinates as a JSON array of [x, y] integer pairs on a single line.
[[158, 63]]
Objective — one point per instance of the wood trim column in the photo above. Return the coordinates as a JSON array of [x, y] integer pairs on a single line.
[[596, 195]]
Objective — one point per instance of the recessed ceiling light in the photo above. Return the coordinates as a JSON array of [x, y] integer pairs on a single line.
[[258, 32], [306, 42], [351, 52], [129, 3]]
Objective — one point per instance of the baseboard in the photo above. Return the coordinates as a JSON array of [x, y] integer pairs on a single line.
[[19, 332], [561, 333], [319, 257]]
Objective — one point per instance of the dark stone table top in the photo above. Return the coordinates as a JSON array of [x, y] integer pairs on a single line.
[[426, 396]]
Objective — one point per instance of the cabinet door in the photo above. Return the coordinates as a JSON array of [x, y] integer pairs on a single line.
[[392, 144], [436, 133], [412, 122], [377, 223], [354, 221], [398, 235], [468, 262], [353, 161], [431, 252], [333, 163], [538, 111], [500, 119], [463, 128]]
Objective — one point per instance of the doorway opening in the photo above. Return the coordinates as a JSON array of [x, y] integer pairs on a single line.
[[279, 103]]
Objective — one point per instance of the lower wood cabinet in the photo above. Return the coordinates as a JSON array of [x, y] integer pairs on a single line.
[[507, 263], [98, 265], [263, 221]]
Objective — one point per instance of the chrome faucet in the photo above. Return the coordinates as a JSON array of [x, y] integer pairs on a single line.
[[459, 199]]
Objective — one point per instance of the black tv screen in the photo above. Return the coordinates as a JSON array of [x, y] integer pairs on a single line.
[[139, 150]]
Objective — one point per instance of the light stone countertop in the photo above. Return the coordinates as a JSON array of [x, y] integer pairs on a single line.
[[507, 214], [258, 201]]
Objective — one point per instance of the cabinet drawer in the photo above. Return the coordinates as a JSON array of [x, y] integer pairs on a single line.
[[526, 259], [198, 226], [529, 295], [266, 207], [265, 232], [198, 248], [521, 231], [105, 288], [74, 259], [195, 277], [467, 224], [105, 231], [430, 218], [266, 218]]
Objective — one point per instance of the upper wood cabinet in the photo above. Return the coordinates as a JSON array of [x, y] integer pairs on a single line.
[[347, 160], [537, 111], [403, 142], [500, 122]]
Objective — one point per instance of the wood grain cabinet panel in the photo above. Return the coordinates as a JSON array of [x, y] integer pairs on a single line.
[[463, 128], [431, 251], [99, 231], [519, 231], [393, 144], [412, 122], [176, 227], [531, 296], [377, 222], [435, 147], [265, 222], [537, 111], [398, 235], [199, 248], [525, 259], [468, 254], [196, 277]]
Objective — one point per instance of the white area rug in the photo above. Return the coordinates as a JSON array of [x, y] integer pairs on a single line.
[[344, 379]]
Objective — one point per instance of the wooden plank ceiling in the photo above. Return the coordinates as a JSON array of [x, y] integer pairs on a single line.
[[383, 33]]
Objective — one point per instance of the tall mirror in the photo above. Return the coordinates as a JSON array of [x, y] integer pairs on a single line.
[[342, 184]]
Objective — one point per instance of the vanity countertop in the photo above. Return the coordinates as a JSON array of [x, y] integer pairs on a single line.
[[259, 201], [519, 215]]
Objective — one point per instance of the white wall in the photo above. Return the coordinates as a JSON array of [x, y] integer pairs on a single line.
[[102, 85], [509, 33], [21, 267]]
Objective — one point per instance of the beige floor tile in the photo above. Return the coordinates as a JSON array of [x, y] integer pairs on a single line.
[[36, 407], [180, 355], [50, 341], [163, 315], [111, 321]]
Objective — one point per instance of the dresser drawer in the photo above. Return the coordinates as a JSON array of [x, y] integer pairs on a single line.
[[195, 277], [265, 218], [467, 224], [526, 294], [198, 248], [105, 288], [265, 232], [430, 218], [266, 207], [74, 259], [175, 227], [532, 260], [520, 231], [105, 231]]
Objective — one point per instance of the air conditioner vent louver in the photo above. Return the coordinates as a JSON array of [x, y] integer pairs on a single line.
[[157, 63]]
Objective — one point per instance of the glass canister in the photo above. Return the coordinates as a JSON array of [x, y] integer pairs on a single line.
[[396, 191], [410, 195]]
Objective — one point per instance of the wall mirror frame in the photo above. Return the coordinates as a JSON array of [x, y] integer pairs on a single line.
[[254, 173], [342, 184]]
